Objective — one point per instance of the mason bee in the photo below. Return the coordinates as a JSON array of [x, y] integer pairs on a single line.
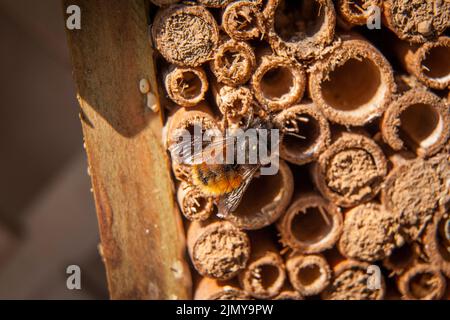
[[224, 168]]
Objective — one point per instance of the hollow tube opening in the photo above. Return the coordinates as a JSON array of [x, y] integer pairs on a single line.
[[309, 274], [190, 85], [436, 64], [277, 82], [311, 226], [421, 124], [252, 201], [356, 84]]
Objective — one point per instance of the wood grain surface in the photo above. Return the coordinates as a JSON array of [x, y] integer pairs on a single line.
[[142, 238]]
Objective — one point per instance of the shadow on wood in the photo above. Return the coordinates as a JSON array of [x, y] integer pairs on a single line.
[[141, 232]]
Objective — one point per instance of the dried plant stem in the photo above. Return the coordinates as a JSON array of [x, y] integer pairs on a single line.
[[306, 133], [335, 83], [183, 120], [233, 63], [402, 258], [236, 104], [369, 233], [189, 119], [211, 289], [422, 282], [164, 2], [412, 192], [242, 20], [310, 225], [193, 204], [351, 282], [262, 206], [186, 86], [300, 28], [426, 19], [278, 82], [214, 3], [417, 119], [217, 249], [351, 171], [355, 12], [308, 274], [264, 276], [428, 62]]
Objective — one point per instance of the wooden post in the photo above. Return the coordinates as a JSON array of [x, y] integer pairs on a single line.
[[142, 238]]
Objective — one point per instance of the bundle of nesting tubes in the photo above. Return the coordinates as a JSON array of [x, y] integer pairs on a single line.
[[362, 189]]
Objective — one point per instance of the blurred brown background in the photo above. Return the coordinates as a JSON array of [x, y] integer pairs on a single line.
[[47, 215]]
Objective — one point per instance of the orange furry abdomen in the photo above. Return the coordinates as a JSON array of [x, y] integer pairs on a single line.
[[213, 180]]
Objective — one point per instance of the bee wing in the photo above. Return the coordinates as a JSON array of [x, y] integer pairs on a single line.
[[229, 202], [189, 151], [181, 152], [194, 151]]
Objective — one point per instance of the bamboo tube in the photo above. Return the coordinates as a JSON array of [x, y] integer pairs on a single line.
[[217, 249], [182, 172], [369, 233], [193, 204], [418, 119], [356, 12], [402, 258], [242, 20], [333, 257], [265, 274], [233, 63], [351, 171], [416, 20], [309, 274], [335, 83], [306, 133], [412, 191], [162, 3], [262, 206], [278, 82], [186, 86], [441, 165], [300, 28], [310, 225], [392, 292], [422, 282], [288, 293], [192, 119], [211, 289], [214, 3], [351, 282], [406, 82], [189, 119], [428, 62], [437, 241], [235, 104], [185, 35]]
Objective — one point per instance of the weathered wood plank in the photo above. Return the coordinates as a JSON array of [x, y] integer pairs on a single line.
[[141, 231]]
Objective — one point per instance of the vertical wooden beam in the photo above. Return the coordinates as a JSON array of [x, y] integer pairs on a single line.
[[142, 238]]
